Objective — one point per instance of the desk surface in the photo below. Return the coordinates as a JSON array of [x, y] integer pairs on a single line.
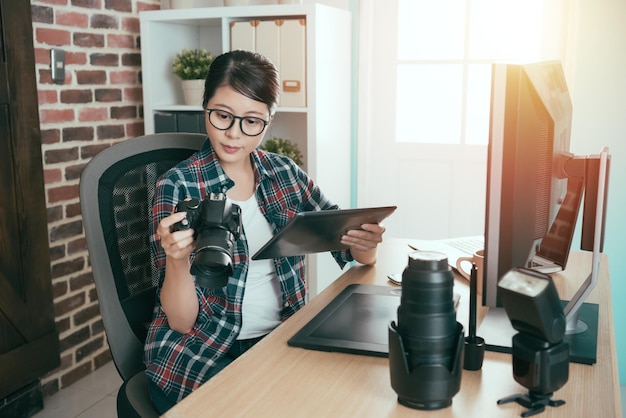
[[275, 380]]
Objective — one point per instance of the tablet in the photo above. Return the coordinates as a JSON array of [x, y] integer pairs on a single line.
[[356, 321], [319, 231]]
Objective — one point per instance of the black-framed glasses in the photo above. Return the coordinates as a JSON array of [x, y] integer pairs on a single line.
[[223, 120]]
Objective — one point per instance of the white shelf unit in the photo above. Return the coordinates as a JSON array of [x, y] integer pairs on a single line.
[[322, 129]]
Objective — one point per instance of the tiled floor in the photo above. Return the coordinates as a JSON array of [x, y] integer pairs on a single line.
[[95, 397]]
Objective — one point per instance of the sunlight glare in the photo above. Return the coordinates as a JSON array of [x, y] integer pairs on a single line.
[[506, 30], [431, 29]]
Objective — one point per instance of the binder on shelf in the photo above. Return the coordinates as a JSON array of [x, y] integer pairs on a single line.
[[268, 41], [243, 35], [293, 62], [282, 41]]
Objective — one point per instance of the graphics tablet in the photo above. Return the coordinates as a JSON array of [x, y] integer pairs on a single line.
[[356, 321], [319, 231]]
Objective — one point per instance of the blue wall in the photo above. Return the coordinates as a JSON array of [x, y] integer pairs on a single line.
[[598, 90]]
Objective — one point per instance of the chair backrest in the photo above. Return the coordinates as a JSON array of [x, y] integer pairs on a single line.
[[116, 193]]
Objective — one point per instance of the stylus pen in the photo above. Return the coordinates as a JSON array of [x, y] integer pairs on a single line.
[[472, 309]]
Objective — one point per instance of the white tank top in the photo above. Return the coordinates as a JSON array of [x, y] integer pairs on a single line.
[[262, 299]]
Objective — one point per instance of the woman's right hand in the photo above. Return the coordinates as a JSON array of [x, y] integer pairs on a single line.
[[178, 292], [177, 245]]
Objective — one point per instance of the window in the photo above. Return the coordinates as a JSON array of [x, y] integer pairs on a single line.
[[423, 102], [443, 70]]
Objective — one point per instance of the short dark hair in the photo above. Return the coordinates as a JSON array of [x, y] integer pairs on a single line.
[[248, 73]]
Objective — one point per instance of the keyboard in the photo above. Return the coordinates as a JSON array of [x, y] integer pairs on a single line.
[[453, 248], [469, 245]]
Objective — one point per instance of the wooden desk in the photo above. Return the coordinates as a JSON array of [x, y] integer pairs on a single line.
[[275, 380]]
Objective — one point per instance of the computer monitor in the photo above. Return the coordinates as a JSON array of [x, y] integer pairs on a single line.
[[529, 140], [534, 191]]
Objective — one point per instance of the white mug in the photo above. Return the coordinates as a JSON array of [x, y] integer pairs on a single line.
[[478, 258]]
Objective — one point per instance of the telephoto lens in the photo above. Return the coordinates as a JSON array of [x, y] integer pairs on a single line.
[[426, 345], [426, 316]]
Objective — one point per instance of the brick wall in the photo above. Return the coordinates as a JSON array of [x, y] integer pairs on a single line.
[[99, 104]]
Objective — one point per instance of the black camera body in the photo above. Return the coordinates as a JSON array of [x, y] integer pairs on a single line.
[[216, 222]]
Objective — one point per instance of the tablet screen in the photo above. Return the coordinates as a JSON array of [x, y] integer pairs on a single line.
[[319, 231]]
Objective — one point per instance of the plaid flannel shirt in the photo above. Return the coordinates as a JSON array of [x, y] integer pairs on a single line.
[[179, 363]]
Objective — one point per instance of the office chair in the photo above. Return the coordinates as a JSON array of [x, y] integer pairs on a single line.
[[116, 192]]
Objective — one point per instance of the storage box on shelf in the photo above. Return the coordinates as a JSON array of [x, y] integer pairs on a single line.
[[320, 123]]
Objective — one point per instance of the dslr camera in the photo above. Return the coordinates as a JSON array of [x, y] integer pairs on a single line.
[[216, 222]]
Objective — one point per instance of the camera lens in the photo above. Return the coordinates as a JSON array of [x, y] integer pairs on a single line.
[[218, 228], [426, 345], [426, 315], [212, 264]]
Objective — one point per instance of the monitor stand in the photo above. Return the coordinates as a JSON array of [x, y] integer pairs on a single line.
[[582, 317], [498, 333]]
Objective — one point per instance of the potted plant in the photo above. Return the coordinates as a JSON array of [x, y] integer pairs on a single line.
[[192, 66], [284, 147]]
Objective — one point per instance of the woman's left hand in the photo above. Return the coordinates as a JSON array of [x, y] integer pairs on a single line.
[[363, 242]]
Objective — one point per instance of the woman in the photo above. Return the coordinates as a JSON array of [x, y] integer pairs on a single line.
[[197, 331]]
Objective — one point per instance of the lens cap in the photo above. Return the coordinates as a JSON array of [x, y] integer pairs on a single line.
[[428, 261]]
